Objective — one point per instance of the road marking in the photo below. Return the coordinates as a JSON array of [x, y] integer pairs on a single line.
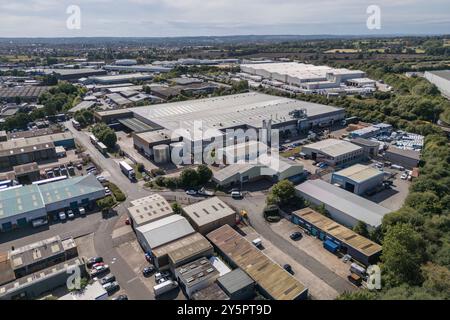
[[131, 280]]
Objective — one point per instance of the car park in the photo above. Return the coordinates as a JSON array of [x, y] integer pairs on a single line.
[[107, 279], [91, 261], [62, 216]]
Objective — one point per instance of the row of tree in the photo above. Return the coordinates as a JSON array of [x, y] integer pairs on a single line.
[[105, 134]]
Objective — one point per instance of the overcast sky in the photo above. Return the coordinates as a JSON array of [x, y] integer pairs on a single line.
[[141, 18]]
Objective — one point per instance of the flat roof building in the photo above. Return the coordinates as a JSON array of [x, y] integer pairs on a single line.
[[181, 251], [120, 78], [158, 233], [196, 275], [209, 214], [272, 280], [237, 285], [358, 178], [74, 74], [344, 207], [149, 209], [441, 79], [360, 248], [334, 152], [25, 93], [41, 255], [370, 147], [212, 292]]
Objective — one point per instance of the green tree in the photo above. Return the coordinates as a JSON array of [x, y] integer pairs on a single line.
[[176, 208], [204, 174], [106, 203], [361, 228], [403, 254], [189, 178], [283, 191]]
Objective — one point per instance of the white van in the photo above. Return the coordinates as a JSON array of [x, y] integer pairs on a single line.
[[39, 222], [82, 211], [164, 287], [257, 242]]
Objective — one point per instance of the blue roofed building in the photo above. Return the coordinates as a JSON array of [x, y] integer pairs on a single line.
[[23, 204]]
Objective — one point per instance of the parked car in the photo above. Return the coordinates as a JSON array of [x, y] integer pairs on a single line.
[[101, 179], [148, 257], [404, 176], [70, 214], [191, 192], [98, 264], [79, 166], [82, 211], [108, 278], [127, 221], [292, 158], [107, 191], [288, 268], [148, 271], [62, 216], [296, 236], [111, 287], [121, 297], [257, 242], [99, 270], [93, 260], [236, 195]]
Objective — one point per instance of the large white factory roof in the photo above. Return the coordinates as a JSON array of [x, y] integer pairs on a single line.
[[301, 71], [359, 173], [229, 111]]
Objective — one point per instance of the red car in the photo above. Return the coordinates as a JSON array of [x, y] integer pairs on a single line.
[[127, 222], [98, 264]]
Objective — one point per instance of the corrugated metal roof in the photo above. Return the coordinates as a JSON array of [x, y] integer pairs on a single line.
[[235, 280], [334, 147], [359, 173], [207, 211], [165, 230], [344, 201]]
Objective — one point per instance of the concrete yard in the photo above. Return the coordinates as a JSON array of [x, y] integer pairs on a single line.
[[318, 288]]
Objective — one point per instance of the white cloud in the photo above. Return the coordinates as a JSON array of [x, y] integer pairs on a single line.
[[220, 17]]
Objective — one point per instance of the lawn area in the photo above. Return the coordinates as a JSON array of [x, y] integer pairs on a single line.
[[291, 153]]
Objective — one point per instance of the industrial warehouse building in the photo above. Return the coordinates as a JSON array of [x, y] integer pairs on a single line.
[[209, 214], [348, 241], [303, 75], [149, 209], [440, 79], [42, 254], [344, 207], [334, 152], [20, 205], [158, 233], [370, 147], [358, 178], [237, 285], [274, 169], [20, 151], [74, 74], [120, 78], [181, 251], [271, 279], [245, 111], [196, 275], [212, 292], [407, 158]]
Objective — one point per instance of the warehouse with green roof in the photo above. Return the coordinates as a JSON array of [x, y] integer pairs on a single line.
[[23, 204]]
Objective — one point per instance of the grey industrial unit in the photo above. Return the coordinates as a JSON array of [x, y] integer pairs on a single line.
[[441, 79], [334, 152], [370, 147], [344, 207], [358, 178], [237, 285], [406, 158]]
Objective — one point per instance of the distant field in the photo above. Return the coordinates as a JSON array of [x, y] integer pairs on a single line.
[[342, 51], [17, 58]]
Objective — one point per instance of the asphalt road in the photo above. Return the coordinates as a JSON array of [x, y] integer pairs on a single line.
[[254, 205], [127, 278]]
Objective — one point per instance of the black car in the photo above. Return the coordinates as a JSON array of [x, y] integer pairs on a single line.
[[296, 236], [288, 268], [121, 297], [111, 287], [148, 271], [93, 260]]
